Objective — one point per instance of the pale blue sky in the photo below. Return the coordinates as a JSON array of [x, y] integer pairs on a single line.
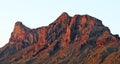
[[36, 13]]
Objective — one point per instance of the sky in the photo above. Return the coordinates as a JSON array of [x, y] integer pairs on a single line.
[[36, 13]]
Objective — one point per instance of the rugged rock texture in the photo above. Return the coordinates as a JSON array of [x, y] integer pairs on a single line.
[[80, 39]]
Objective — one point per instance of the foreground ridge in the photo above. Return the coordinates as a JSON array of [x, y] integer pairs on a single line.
[[81, 39]]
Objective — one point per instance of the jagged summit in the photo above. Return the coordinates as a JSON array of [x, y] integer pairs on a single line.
[[74, 39], [64, 14], [18, 23]]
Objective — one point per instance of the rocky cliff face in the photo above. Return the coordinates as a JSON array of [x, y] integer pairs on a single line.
[[80, 39]]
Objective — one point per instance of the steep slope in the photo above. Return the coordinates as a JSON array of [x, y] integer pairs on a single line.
[[80, 39]]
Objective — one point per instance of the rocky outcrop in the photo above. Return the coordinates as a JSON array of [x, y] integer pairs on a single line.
[[81, 39]]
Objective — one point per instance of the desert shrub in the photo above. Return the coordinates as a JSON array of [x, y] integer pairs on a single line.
[[108, 51], [64, 62], [18, 58], [30, 61], [112, 49], [107, 39], [104, 55], [83, 46], [25, 44]]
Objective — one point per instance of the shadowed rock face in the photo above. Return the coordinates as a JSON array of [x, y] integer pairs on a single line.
[[80, 39]]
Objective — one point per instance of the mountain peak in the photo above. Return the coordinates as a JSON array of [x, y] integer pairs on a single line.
[[19, 31], [19, 26], [18, 23], [64, 15]]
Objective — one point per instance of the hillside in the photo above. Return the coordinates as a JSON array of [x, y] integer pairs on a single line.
[[81, 39]]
